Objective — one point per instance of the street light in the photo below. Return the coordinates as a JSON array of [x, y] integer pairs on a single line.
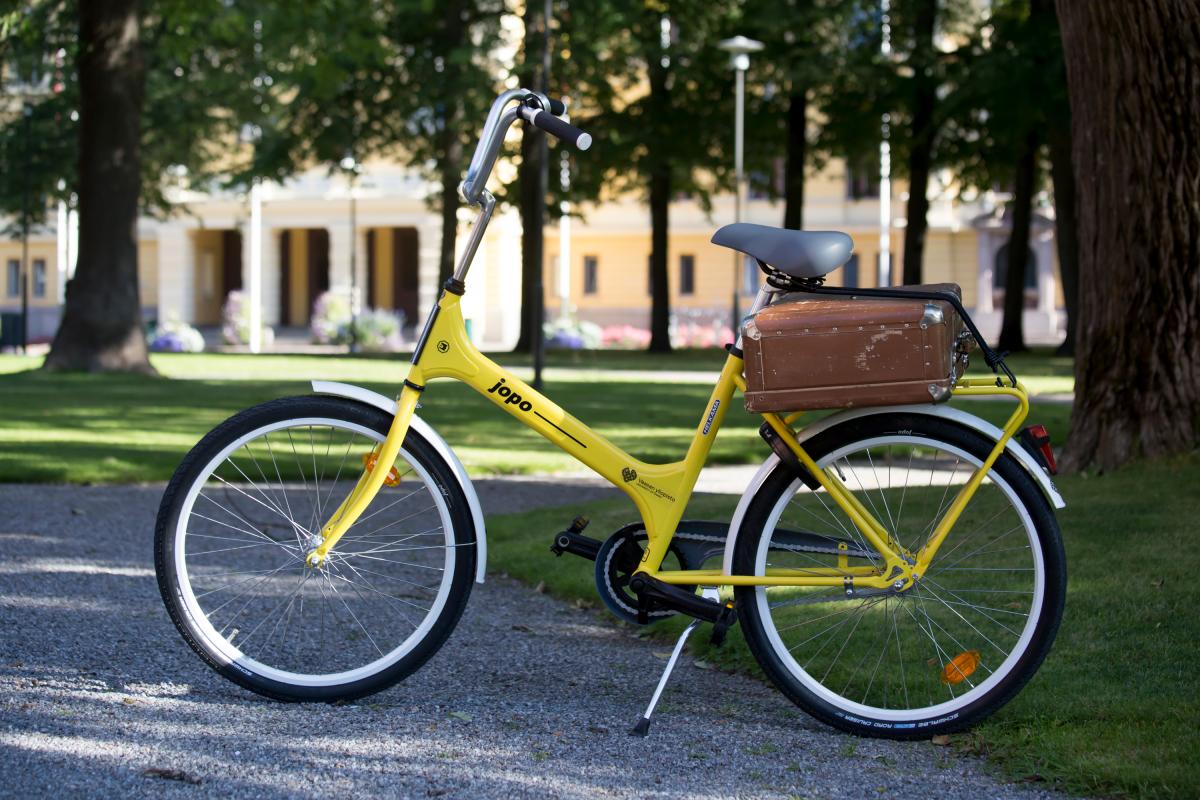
[[739, 49], [352, 169]]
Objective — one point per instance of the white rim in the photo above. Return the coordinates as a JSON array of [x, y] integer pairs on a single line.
[[226, 652], [891, 715]]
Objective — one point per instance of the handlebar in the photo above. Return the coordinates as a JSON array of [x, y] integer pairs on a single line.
[[535, 108], [551, 124]]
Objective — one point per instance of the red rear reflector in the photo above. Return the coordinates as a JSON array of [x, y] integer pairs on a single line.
[[1037, 439]]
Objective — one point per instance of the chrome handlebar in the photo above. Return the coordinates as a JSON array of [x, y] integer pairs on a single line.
[[536, 109]]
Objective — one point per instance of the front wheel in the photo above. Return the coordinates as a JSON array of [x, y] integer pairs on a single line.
[[248, 504], [941, 655]]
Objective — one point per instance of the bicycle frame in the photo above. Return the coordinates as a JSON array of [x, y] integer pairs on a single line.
[[659, 491]]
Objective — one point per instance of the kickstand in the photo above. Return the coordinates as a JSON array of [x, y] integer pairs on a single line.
[[642, 728]]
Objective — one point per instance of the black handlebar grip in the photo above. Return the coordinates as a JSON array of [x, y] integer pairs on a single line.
[[558, 108], [563, 130]]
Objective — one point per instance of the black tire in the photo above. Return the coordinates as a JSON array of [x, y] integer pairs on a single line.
[[1008, 480], [454, 543]]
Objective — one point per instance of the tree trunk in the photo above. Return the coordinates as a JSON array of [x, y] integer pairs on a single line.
[[1012, 330], [1066, 238], [660, 302], [531, 192], [450, 147], [450, 170], [797, 155], [660, 205], [1135, 104], [920, 155], [101, 328]]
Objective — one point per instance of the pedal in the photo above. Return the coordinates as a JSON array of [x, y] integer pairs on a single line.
[[721, 627], [573, 541], [665, 595]]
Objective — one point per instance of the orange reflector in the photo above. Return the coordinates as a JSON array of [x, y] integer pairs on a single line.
[[393, 477], [961, 667]]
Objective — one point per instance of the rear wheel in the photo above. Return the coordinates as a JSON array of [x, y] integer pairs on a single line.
[[247, 505], [941, 655]]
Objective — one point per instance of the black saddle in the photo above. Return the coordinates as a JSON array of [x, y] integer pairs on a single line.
[[800, 254]]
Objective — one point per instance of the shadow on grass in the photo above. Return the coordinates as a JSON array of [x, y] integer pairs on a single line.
[[123, 428]]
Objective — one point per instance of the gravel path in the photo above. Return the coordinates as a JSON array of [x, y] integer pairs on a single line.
[[529, 698]]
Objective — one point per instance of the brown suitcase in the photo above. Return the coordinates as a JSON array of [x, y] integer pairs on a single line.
[[806, 352]]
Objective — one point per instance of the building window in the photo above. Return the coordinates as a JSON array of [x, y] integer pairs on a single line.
[[12, 278], [590, 265], [862, 178], [850, 272], [687, 275], [39, 277]]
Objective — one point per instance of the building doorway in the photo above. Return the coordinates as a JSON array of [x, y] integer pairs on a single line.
[[218, 271], [303, 273], [392, 271]]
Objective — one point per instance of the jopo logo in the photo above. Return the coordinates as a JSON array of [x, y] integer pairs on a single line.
[[511, 398], [712, 414], [629, 474]]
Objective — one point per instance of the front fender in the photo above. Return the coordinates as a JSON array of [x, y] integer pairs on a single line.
[[371, 398], [1023, 457]]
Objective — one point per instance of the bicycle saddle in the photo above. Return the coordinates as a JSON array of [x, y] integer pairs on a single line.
[[801, 254]]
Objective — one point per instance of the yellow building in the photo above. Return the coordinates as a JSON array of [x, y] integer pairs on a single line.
[[192, 260]]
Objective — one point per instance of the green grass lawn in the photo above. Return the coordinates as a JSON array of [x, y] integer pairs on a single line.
[[124, 428], [1113, 710]]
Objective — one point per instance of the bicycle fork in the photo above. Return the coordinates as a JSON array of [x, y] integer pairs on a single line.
[[374, 473]]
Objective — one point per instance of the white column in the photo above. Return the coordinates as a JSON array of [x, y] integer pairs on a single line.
[[340, 241], [176, 272], [272, 270], [429, 249], [983, 291], [252, 266]]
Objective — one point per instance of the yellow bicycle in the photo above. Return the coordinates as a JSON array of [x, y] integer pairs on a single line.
[[896, 571]]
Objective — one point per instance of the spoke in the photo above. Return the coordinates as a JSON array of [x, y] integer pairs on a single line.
[[341, 465], [248, 530], [282, 487], [286, 600], [350, 611], [903, 490], [963, 602], [900, 654], [270, 504], [879, 488]]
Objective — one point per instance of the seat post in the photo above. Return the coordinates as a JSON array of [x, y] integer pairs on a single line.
[[762, 299]]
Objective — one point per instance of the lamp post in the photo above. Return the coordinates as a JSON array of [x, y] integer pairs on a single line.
[[27, 112], [352, 168], [739, 49], [252, 135], [884, 277]]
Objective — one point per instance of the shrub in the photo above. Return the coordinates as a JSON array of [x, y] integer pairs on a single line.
[[566, 333], [625, 337], [377, 330], [235, 321], [330, 312], [175, 336]]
